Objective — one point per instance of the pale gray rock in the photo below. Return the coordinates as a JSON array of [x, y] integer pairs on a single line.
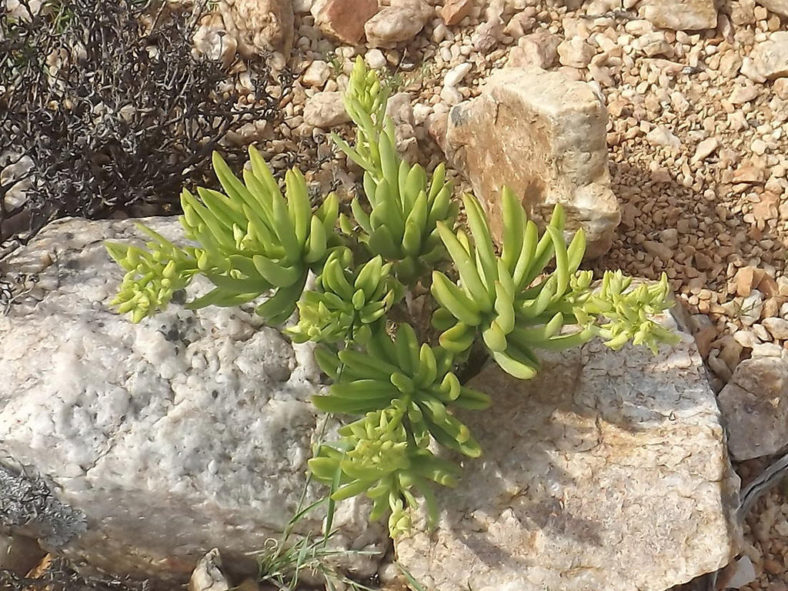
[[325, 110], [755, 405], [604, 458], [770, 57], [146, 445], [543, 136], [776, 6], [680, 15], [397, 23]]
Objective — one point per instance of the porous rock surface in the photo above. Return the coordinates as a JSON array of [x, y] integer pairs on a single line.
[[144, 446], [543, 136], [608, 471]]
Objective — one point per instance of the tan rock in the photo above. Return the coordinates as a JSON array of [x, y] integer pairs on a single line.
[[544, 137], [453, 11], [747, 279], [680, 15], [575, 53], [780, 88], [770, 57], [777, 327], [776, 6], [317, 74], [259, 26], [755, 405], [397, 23], [538, 49], [599, 456], [325, 110], [706, 148], [744, 94], [344, 20]]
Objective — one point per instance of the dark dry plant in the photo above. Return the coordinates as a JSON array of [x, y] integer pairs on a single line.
[[111, 107]]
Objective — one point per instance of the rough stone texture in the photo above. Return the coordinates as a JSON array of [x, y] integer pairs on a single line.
[[539, 49], [680, 15], [777, 6], [259, 26], [325, 110], [755, 406], [453, 11], [146, 445], [344, 20], [397, 23], [544, 137], [770, 57], [608, 471]]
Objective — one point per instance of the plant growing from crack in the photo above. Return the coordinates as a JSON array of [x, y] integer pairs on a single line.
[[397, 379]]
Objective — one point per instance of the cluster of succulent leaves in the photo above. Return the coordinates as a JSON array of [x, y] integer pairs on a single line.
[[400, 384]]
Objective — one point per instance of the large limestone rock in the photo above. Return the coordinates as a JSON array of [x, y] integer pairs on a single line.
[[755, 405], [542, 135], [138, 448], [680, 15], [608, 471]]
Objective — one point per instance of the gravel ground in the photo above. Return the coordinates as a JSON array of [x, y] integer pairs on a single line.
[[698, 158]]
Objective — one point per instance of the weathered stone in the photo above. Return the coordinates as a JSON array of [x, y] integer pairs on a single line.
[[317, 74], [680, 15], [325, 110], [343, 20], [147, 444], [575, 53], [453, 11], [755, 406], [770, 57], [397, 23], [259, 26], [544, 137], [539, 49], [777, 327], [776, 6], [600, 456]]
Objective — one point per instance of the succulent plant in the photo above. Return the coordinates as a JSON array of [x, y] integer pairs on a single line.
[[399, 385], [516, 307]]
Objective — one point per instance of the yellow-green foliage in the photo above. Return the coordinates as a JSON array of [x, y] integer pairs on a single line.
[[400, 384]]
